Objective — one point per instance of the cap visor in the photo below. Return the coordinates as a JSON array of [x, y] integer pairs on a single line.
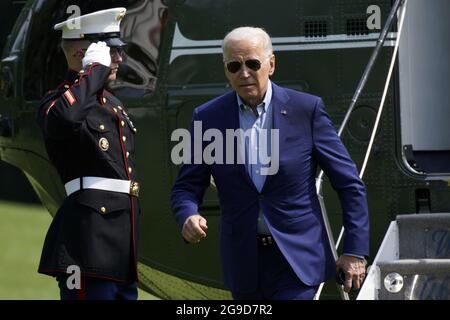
[[114, 42]]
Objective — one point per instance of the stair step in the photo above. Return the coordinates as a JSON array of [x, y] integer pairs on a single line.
[[424, 236], [414, 279]]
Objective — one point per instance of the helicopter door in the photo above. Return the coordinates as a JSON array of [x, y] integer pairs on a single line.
[[424, 88]]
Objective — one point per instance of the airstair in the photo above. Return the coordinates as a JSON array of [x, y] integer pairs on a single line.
[[413, 262]]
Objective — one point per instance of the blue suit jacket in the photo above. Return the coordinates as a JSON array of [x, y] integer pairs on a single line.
[[288, 198]]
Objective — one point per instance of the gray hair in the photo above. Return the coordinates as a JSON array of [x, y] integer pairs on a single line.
[[242, 33]]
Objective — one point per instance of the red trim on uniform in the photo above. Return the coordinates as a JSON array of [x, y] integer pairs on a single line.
[[131, 198], [134, 242], [51, 106], [85, 74], [107, 93], [69, 97]]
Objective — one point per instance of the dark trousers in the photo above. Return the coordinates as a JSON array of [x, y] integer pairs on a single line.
[[98, 289], [276, 279]]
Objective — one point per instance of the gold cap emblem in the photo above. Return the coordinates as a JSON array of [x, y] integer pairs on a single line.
[[121, 15]]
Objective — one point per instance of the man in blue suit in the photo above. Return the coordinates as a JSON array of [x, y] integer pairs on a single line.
[[273, 240]]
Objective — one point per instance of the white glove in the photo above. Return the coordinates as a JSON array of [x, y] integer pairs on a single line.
[[97, 53]]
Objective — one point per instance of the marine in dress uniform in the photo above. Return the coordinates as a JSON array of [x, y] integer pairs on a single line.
[[89, 138]]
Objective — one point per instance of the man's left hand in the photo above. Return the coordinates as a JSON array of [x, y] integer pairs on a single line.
[[354, 269]]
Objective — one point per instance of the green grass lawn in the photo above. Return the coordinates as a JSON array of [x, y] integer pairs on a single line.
[[22, 232]]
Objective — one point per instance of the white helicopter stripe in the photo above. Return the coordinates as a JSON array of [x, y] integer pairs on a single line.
[[184, 46]]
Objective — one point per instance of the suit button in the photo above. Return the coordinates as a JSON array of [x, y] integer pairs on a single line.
[[103, 210], [101, 127], [124, 139]]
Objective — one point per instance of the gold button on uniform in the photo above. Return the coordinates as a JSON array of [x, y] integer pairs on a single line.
[[81, 71], [103, 210], [124, 139], [115, 110], [135, 130], [119, 107], [104, 100], [128, 154], [66, 86], [130, 170], [101, 127], [122, 123], [103, 143]]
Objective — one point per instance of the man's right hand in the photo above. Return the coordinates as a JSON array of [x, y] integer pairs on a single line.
[[97, 53], [194, 229]]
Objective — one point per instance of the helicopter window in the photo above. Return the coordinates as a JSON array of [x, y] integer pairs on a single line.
[[141, 29], [357, 26], [315, 29]]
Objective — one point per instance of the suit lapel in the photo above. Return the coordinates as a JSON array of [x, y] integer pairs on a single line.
[[281, 112]]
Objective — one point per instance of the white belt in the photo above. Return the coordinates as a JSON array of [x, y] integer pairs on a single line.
[[114, 185]]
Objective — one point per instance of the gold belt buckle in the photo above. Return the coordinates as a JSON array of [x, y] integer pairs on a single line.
[[134, 189]]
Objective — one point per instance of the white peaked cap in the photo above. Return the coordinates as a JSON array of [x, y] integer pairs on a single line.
[[99, 25]]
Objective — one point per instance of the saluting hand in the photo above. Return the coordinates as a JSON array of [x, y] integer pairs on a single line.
[[354, 270], [97, 53], [194, 229]]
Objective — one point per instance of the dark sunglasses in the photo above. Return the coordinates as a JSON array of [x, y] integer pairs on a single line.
[[117, 50], [252, 64], [112, 51]]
